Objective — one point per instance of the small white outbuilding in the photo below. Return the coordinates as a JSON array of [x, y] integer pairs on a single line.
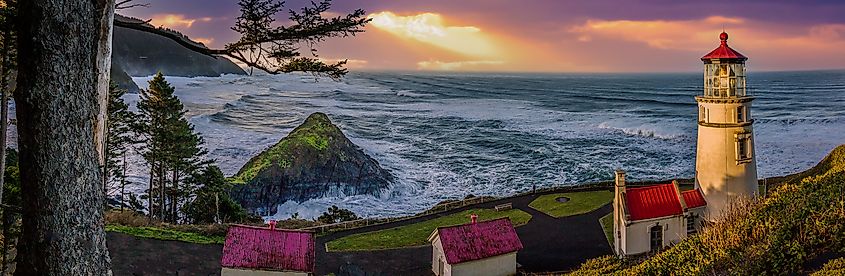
[[648, 219], [478, 248]]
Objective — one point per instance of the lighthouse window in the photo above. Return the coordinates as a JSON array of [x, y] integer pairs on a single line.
[[743, 149], [702, 114], [740, 114]]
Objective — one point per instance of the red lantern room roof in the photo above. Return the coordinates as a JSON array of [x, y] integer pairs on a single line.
[[724, 51]]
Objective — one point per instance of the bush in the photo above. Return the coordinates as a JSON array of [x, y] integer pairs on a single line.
[[773, 235], [335, 215]]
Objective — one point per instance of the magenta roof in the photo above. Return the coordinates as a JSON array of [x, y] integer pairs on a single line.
[[264, 249], [477, 241]]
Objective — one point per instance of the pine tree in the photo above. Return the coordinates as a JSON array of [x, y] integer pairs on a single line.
[[155, 108], [212, 203], [7, 63], [170, 146], [118, 140]]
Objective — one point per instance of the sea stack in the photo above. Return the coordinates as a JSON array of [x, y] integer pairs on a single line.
[[313, 161]]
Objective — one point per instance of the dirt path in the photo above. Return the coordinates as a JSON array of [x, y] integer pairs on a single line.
[[550, 245]]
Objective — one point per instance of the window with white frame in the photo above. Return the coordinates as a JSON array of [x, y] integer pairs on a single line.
[[743, 147], [691, 224]]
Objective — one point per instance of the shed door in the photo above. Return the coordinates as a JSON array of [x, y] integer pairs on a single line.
[[656, 238]]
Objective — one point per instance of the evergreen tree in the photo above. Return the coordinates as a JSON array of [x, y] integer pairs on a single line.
[[156, 105], [335, 214], [118, 140], [11, 197], [169, 145], [8, 52], [212, 203]]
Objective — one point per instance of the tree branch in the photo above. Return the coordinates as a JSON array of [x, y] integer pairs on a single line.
[[275, 46], [122, 5]]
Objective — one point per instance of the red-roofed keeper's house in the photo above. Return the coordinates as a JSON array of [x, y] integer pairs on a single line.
[[479, 248], [267, 251], [647, 219]]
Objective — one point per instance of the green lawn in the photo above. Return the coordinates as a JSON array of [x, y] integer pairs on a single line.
[[579, 203], [417, 234], [165, 234], [607, 225]]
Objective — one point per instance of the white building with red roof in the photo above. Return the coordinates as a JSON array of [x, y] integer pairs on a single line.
[[269, 251], [650, 218], [478, 248]]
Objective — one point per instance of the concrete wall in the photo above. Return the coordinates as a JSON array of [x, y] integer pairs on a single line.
[[248, 272], [502, 265], [637, 235]]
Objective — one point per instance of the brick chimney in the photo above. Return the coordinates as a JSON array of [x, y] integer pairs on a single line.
[[474, 218], [272, 224]]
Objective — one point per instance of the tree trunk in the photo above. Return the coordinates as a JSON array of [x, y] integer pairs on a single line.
[[150, 191], [58, 103], [123, 183], [104, 49], [162, 186], [5, 74], [174, 197]]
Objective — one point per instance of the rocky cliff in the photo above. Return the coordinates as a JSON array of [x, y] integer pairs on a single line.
[[315, 159]]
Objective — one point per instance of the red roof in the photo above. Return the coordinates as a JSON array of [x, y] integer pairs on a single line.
[[723, 51], [477, 241], [265, 249], [694, 198], [653, 202]]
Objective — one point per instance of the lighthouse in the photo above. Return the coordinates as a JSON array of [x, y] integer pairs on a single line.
[[725, 163]]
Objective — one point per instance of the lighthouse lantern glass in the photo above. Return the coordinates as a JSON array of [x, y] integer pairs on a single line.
[[722, 80]]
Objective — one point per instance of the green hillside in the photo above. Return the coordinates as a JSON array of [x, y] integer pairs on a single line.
[[799, 223]]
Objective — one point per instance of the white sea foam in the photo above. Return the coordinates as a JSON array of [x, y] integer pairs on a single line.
[[456, 142]]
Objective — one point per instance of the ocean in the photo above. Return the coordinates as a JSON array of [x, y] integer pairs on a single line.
[[449, 135]]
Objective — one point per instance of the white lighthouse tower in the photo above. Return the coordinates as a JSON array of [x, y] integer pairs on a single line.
[[725, 163]]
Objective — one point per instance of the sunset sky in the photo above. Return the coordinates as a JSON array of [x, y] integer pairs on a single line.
[[552, 35]]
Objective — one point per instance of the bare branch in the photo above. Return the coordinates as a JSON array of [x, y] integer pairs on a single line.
[[125, 4]]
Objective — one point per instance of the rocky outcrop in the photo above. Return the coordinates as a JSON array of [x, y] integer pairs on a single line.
[[314, 160]]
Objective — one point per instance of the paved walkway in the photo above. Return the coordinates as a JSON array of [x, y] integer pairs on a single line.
[[549, 244]]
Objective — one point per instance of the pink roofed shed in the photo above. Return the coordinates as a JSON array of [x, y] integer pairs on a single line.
[[477, 248], [250, 249]]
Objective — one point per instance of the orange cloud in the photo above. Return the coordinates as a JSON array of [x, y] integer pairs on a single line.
[[457, 65], [661, 34], [430, 28], [697, 35], [350, 63], [175, 20], [204, 40]]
